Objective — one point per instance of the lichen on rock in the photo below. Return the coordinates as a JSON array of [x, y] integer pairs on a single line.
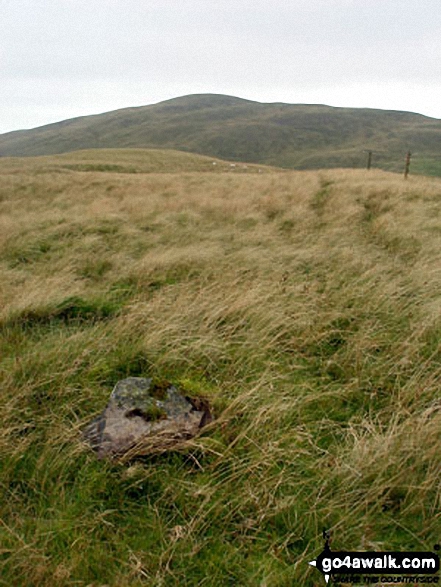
[[144, 416]]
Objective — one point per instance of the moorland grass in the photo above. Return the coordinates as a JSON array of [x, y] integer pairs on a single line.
[[305, 305]]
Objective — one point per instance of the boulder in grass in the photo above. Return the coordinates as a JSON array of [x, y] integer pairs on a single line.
[[145, 417]]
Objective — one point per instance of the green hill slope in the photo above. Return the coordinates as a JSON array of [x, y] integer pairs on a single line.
[[292, 136], [124, 161]]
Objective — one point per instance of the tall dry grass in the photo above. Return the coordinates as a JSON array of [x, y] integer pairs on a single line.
[[304, 304]]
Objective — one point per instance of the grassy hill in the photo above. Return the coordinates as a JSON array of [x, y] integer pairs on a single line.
[[304, 305], [125, 161], [284, 135]]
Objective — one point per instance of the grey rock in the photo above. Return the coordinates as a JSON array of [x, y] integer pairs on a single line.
[[144, 417]]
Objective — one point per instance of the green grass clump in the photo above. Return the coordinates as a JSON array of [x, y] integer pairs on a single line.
[[303, 306]]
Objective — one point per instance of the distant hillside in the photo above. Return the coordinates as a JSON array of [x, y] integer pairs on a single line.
[[125, 161], [292, 136]]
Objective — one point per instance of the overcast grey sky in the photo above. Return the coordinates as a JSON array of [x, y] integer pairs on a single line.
[[65, 58]]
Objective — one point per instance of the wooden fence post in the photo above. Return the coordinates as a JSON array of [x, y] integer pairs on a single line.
[[406, 168], [369, 163]]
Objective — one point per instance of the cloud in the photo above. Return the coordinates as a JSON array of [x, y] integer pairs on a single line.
[[93, 54]]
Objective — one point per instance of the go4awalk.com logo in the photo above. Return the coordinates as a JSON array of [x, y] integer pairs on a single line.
[[378, 567]]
